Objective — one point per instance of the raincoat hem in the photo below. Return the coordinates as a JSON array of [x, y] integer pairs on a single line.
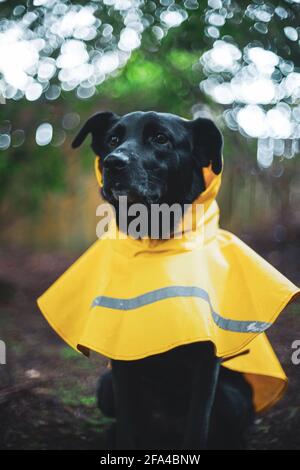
[[55, 327], [230, 352], [268, 403]]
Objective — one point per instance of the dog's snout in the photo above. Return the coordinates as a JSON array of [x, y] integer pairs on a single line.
[[116, 161]]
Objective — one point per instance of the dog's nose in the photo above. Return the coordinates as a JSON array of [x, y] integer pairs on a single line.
[[115, 161]]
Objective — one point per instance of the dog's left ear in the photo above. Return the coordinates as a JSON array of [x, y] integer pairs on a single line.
[[207, 143], [96, 125]]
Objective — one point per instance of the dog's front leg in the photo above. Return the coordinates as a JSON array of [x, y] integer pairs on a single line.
[[186, 379], [205, 379], [126, 404]]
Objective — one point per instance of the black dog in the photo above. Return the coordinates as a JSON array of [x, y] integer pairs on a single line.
[[183, 398]]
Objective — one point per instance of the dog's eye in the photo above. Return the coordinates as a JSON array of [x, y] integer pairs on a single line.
[[113, 140], [161, 139]]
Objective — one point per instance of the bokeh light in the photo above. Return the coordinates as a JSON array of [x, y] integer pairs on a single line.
[[44, 133], [54, 46], [259, 87]]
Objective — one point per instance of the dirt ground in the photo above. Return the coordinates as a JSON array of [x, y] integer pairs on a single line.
[[47, 390]]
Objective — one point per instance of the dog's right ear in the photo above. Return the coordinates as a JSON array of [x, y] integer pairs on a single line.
[[95, 125]]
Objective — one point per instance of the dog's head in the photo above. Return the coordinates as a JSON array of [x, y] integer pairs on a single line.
[[153, 157]]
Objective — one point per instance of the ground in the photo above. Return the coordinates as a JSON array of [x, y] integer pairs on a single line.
[[47, 390]]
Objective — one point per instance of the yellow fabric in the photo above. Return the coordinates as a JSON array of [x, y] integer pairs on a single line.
[[231, 281], [97, 172]]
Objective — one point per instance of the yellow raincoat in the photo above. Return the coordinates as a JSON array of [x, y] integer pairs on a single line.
[[128, 299]]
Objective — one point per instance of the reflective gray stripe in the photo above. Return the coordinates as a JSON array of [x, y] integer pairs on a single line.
[[238, 326]]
